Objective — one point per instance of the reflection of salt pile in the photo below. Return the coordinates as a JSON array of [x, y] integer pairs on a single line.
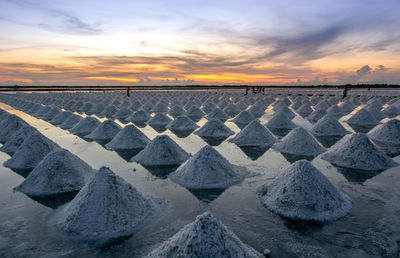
[[205, 237], [31, 152], [9, 125], [214, 128], [207, 169], [139, 117], [243, 119], [106, 208], [159, 120], [387, 133], [302, 192], [357, 152], [182, 123], [70, 122], [129, 138], [328, 126], [59, 172], [316, 115], [16, 139], [299, 142], [161, 151], [362, 117], [254, 135], [105, 131], [280, 121], [85, 126]]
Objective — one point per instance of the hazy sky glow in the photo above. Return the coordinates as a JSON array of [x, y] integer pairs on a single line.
[[121, 42]]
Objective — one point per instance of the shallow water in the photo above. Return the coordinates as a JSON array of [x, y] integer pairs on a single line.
[[26, 227]]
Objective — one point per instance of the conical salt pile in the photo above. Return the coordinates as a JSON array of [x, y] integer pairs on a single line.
[[256, 111], [53, 112], [123, 114], [106, 208], [61, 117], [280, 121], [105, 131], [194, 113], [357, 152], [231, 110], [376, 113], [391, 111], [176, 111], [70, 122], [362, 117], [31, 152], [323, 105], [316, 115], [129, 138], [208, 107], [109, 111], [328, 126], [214, 128], [387, 133], [335, 111], [58, 173], [304, 110], [160, 108], [347, 107], [205, 237], [16, 139], [9, 126], [85, 126], [207, 169], [299, 142], [43, 110], [182, 123], [243, 119], [217, 114], [139, 117], [161, 151], [301, 192], [254, 135], [159, 120], [289, 113]]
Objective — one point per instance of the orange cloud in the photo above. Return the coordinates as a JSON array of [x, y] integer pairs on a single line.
[[113, 79]]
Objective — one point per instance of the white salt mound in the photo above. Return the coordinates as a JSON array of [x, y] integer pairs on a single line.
[[105, 208], [205, 237], [105, 131], [328, 126], [161, 151], [254, 135], [70, 122], [217, 114], [159, 119], [16, 139], [357, 152], [256, 111], [31, 152], [280, 121], [301, 192], [61, 117], [387, 133], [176, 111], [243, 119], [85, 126], [316, 115], [299, 142], [129, 138], [207, 169], [194, 113], [140, 116], [182, 123], [214, 128], [59, 172], [362, 117], [304, 110], [8, 126]]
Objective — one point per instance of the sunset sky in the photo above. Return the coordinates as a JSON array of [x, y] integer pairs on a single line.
[[132, 42]]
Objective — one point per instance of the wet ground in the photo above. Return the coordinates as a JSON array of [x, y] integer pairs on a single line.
[[371, 229]]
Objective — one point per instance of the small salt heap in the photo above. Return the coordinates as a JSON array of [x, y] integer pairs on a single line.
[[254, 135], [301, 192], [104, 132], [85, 126], [159, 120], [280, 121], [106, 209], [357, 152], [217, 114], [391, 111], [231, 110], [129, 138], [139, 117], [70, 122], [205, 237], [109, 111], [61, 117], [176, 111], [299, 142], [122, 114], [59, 172], [328, 126], [243, 119], [194, 113], [335, 111], [160, 108], [182, 124], [347, 107], [214, 128], [304, 110], [207, 169], [387, 136], [289, 113], [31, 152], [256, 111], [53, 112], [9, 126], [375, 112], [316, 115], [161, 151], [362, 118], [16, 139]]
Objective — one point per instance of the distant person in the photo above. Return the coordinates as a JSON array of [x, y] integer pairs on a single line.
[[254, 90], [128, 92], [344, 92], [247, 90]]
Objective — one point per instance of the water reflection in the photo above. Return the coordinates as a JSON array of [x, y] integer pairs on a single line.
[[294, 157], [254, 152], [182, 133], [280, 133], [206, 195], [358, 175], [161, 172], [328, 141], [55, 201], [361, 128], [213, 141]]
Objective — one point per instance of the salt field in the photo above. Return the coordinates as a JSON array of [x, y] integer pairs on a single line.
[[200, 173]]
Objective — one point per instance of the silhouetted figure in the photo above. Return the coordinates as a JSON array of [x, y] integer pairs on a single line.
[[128, 92], [344, 92], [247, 90], [254, 90]]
